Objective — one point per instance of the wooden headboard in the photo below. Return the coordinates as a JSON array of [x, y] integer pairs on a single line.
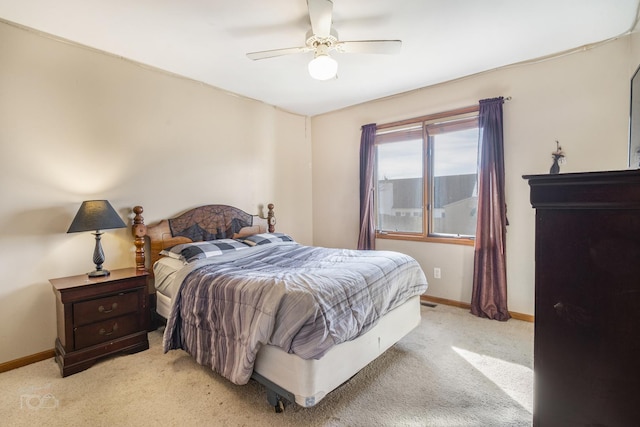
[[197, 224]]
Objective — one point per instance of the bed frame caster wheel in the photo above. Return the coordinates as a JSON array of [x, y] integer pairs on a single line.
[[275, 400]]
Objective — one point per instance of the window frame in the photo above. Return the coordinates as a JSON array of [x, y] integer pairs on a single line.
[[427, 180]]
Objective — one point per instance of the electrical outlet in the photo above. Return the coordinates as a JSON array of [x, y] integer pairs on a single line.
[[436, 273]]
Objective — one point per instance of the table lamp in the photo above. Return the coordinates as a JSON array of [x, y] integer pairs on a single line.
[[96, 215]]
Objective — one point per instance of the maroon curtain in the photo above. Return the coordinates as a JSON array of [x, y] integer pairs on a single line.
[[367, 237], [489, 296]]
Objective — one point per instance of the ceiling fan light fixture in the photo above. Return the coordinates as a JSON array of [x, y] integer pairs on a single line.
[[322, 38], [323, 67]]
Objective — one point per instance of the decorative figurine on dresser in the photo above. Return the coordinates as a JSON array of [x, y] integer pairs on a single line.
[[558, 157], [587, 299], [102, 312]]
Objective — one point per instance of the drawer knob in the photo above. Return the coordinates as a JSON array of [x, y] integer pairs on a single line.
[[105, 333], [101, 309]]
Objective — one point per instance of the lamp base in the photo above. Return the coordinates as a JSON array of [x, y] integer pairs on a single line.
[[99, 273]]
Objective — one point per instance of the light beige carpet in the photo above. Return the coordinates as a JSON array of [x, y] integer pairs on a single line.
[[453, 370]]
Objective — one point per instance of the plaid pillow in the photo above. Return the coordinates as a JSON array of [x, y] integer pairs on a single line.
[[197, 250], [265, 238]]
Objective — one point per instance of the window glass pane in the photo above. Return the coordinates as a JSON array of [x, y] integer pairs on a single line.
[[400, 186], [454, 197], [441, 166]]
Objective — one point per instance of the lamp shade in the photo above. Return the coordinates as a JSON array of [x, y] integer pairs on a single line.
[[323, 67], [95, 215]]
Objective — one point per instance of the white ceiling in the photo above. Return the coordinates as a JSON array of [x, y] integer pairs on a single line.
[[207, 40]]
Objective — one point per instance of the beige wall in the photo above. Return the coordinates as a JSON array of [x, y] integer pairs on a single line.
[[582, 100], [76, 124], [634, 52]]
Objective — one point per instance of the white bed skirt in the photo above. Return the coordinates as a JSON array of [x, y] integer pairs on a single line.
[[311, 380], [163, 305]]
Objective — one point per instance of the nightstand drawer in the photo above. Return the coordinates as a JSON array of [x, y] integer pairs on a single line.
[[99, 332], [105, 308]]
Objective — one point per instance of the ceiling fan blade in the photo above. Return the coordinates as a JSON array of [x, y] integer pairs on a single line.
[[320, 12], [276, 52], [370, 46]]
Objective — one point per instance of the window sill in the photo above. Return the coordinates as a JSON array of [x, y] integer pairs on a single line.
[[447, 240]]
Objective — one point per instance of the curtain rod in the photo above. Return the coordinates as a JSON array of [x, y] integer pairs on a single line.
[[504, 99], [457, 111]]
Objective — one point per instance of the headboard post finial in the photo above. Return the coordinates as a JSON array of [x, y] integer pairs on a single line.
[[271, 219], [139, 230]]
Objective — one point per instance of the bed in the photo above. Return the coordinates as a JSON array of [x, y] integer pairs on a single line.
[[252, 303]]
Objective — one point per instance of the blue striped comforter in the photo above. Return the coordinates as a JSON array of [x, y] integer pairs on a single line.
[[302, 299]]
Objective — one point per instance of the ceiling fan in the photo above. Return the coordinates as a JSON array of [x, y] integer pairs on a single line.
[[322, 39]]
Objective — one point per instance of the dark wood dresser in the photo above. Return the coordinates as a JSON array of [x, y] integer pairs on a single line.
[[587, 299], [100, 316]]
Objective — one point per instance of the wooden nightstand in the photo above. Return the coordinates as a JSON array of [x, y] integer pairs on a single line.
[[100, 316]]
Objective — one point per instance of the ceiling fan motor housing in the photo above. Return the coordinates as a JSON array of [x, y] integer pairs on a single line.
[[315, 42]]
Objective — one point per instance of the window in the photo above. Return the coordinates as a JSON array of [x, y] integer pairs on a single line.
[[426, 176]]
